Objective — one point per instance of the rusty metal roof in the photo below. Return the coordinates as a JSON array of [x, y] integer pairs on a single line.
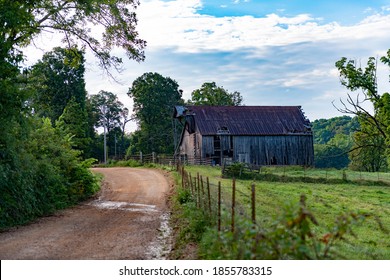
[[249, 120]]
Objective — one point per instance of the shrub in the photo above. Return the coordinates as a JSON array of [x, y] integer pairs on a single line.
[[44, 174], [184, 196]]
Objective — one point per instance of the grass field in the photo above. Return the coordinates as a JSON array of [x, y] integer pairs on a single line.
[[325, 200]]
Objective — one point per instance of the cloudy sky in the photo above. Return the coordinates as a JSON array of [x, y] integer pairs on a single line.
[[272, 52]]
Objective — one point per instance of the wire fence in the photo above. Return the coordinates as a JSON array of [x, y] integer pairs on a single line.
[[219, 201], [169, 159], [308, 174]]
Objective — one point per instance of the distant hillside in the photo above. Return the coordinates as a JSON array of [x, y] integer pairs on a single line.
[[325, 129], [333, 140]]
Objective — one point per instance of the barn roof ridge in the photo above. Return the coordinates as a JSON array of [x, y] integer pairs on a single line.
[[249, 120]]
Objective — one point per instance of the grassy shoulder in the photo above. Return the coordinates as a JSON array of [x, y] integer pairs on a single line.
[[359, 212], [187, 221]]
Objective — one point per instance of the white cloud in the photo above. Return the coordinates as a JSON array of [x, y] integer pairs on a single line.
[[178, 24], [240, 1], [330, 96]]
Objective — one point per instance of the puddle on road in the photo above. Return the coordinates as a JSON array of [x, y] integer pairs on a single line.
[[125, 206], [162, 246]]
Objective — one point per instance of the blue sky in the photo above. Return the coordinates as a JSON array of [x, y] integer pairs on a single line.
[[272, 52], [327, 10]]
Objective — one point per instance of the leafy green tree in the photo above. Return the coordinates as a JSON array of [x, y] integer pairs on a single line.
[[154, 98], [333, 154], [21, 21], [211, 94], [74, 122], [368, 153], [56, 79], [107, 110], [333, 140], [364, 91]]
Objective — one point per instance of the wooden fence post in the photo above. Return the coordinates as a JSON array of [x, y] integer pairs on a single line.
[[187, 183], [219, 206], [198, 191], [233, 202], [208, 194], [253, 203], [191, 186], [202, 186], [182, 180]]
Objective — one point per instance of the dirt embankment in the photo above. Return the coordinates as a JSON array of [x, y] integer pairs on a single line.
[[128, 220]]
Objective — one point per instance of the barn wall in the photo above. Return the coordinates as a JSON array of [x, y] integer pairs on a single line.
[[259, 150], [187, 146], [191, 144], [207, 146], [270, 150]]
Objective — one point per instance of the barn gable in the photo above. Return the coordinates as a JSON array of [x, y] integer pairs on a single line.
[[261, 135]]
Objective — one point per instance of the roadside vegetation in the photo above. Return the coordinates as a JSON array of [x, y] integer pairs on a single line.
[[295, 220], [47, 119]]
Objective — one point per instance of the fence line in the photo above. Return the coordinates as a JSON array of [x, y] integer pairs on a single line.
[[169, 159], [280, 173], [217, 201]]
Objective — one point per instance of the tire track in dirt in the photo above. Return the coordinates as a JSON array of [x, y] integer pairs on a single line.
[[128, 220]]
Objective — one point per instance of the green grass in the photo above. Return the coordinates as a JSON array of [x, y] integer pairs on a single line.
[[327, 174], [325, 200]]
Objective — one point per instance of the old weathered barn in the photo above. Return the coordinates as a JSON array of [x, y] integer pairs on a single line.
[[259, 135]]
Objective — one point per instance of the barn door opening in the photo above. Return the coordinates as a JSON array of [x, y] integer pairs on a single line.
[[216, 157], [223, 149]]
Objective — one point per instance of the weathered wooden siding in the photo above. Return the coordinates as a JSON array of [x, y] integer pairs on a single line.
[[258, 150], [191, 144], [270, 150], [207, 146]]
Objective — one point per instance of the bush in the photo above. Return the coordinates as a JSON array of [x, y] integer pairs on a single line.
[[238, 170], [184, 196], [45, 174]]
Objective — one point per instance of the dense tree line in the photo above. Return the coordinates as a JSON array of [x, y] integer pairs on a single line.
[[333, 141], [46, 118]]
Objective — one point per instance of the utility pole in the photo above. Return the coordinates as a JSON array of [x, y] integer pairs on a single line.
[[105, 144], [105, 137]]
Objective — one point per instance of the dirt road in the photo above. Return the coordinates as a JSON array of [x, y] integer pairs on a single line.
[[128, 220]]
